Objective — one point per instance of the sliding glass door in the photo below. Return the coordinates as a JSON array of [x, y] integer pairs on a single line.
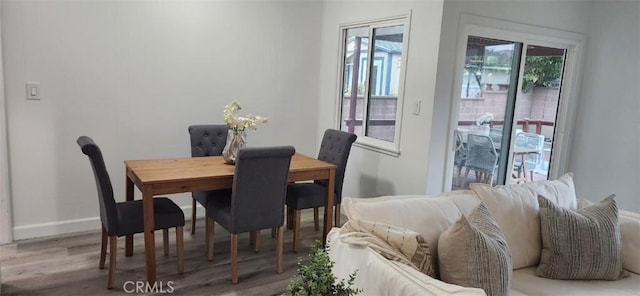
[[508, 101]]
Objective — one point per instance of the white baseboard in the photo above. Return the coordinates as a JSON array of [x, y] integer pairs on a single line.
[[77, 225], [55, 228]]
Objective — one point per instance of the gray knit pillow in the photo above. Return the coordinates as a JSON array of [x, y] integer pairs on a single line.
[[474, 253], [580, 245]]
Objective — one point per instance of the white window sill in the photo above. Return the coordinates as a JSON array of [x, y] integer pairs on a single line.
[[362, 143]]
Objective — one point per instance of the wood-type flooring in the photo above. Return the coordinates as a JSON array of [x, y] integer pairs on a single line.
[[68, 264]]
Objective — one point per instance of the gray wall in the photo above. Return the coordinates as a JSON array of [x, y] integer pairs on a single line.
[[605, 148], [134, 75]]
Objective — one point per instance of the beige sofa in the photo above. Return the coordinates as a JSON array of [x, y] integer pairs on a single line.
[[431, 215]]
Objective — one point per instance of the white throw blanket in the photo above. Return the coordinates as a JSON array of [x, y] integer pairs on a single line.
[[392, 242]]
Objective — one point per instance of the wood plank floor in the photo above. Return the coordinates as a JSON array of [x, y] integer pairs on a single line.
[[68, 264]]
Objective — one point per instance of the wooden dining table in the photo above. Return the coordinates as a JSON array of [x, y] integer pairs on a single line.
[[177, 175]]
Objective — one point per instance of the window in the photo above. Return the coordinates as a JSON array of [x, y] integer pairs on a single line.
[[372, 75]]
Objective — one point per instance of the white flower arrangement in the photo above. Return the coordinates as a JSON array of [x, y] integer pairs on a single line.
[[241, 123], [484, 119]]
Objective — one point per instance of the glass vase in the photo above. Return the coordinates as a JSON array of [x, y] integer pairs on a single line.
[[235, 141]]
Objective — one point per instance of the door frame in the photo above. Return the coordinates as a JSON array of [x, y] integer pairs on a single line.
[[526, 34], [6, 221]]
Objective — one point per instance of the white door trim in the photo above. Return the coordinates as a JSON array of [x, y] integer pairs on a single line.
[[527, 34], [6, 222]]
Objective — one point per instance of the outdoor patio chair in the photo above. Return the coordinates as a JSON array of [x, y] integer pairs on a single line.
[[460, 157], [481, 157], [533, 142]]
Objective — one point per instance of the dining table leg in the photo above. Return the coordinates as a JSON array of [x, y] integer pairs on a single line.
[[328, 208], [128, 243], [149, 239]]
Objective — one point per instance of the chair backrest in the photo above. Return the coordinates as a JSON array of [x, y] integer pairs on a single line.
[[108, 210], [531, 141], [259, 188], [335, 148], [481, 153], [496, 135], [208, 140]]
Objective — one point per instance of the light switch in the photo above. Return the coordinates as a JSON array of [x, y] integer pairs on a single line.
[[33, 90], [416, 107]]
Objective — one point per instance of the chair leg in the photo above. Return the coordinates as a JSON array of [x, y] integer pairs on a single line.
[[256, 241], [209, 238], [523, 167], [531, 175], [519, 172], [460, 180], [316, 220], [128, 251], [207, 225], [273, 232], [180, 249], [113, 249], [193, 216], [165, 241], [254, 237], [336, 212], [466, 175], [296, 229], [459, 174], [103, 248], [234, 258], [289, 218], [490, 181], [279, 248]]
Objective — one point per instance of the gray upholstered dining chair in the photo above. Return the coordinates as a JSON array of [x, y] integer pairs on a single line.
[[125, 218], [256, 201], [482, 157], [334, 148], [206, 140]]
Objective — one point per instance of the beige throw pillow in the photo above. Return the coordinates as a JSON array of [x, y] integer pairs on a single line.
[[580, 245], [474, 253], [515, 209], [629, 235]]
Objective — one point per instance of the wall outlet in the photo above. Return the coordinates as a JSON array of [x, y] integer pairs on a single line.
[[33, 90]]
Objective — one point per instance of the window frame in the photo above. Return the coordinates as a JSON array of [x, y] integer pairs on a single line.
[[364, 141], [525, 34]]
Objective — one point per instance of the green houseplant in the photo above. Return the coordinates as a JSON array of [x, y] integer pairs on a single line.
[[316, 279]]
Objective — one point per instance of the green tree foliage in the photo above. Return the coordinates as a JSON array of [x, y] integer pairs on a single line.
[[541, 71], [316, 279]]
